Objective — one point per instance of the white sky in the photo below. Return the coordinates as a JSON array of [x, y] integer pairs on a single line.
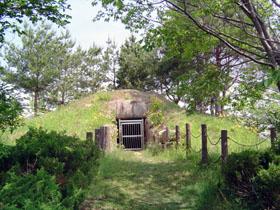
[[84, 31]]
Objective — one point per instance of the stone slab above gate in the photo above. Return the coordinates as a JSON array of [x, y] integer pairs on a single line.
[[126, 109]]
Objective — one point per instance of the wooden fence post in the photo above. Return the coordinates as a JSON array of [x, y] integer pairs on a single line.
[[105, 138], [188, 136], [273, 137], [165, 138], [224, 145], [204, 152], [89, 136], [177, 130], [97, 138]]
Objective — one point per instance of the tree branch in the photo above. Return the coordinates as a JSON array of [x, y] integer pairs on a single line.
[[215, 34]]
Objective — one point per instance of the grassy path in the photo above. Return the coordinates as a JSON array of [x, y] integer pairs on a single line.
[[138, 180]]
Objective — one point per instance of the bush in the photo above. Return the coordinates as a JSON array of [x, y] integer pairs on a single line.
[[155, 114], [30, 191], [254, 177], [6, 157], [72, 162], [240, 168], [267, 186], [277, 146]]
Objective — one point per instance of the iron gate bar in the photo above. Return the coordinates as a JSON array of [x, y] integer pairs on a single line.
[[131, 134]]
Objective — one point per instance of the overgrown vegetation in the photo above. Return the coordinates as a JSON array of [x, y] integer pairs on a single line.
[[46, 170], [176, 180], [10, 110], [155, 114], [253, 178]]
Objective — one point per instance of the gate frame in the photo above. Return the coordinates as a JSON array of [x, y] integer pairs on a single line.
[[140, 121]]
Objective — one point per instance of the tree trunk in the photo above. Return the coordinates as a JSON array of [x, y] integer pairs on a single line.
[[115, 80], [217, 109], [222, 106], [278, 85], [212, 105], [62, 98], [36, 99]]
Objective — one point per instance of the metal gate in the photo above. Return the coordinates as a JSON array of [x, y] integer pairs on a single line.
[[131, 134]]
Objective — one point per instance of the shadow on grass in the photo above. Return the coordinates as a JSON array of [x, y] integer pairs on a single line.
[[133, 183]]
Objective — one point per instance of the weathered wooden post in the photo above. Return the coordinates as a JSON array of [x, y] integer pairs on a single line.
[[97, 138], [165, 137], [177, 131], [105, 138], [224, 145], [89, 136], [273, 137], [204, 152], [188, 136]]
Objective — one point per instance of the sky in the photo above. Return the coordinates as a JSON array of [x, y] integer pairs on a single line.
[[84, 31]]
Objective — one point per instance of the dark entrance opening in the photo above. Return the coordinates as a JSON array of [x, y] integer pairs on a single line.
[[131, 133]]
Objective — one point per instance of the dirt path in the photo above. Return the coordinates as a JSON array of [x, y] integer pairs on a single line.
[[135, 180]]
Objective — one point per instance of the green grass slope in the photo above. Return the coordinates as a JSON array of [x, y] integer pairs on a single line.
[[93, 111]]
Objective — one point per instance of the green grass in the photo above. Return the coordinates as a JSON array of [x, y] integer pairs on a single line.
[[168, 180], [239, 133], [75, 119], [151, 179]]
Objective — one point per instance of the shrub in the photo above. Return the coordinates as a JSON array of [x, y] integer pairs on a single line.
[[30, 191], [254, 177], [241, 168], [267, 186], [56, 152], [155, 114], [277, 146], [72, 162], [6, 157]]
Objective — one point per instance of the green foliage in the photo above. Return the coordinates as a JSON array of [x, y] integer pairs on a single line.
[[33, 65], [14, 11], [109, 64], [136, 66], [47, 67], [155, 114], [10, 110], [50, 164], [241, 168], [30, 191], [254, 178], [267, 186], [272, 116], [230, 22], [6, 158]]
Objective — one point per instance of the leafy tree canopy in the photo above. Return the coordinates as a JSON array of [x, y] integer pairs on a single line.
[[13, 12], [248, 27]]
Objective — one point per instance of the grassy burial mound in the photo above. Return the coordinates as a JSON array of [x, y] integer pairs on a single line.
[[96, 110]]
